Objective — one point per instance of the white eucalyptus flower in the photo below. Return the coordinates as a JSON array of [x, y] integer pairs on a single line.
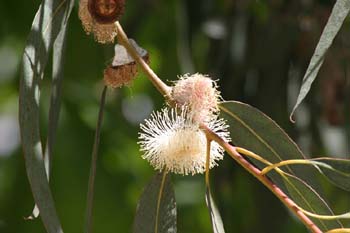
[[175, 142]]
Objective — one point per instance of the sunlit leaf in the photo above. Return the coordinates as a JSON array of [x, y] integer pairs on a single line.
[[49, 21], [335, 21], [59, 49], [253, 130], [156, 210]]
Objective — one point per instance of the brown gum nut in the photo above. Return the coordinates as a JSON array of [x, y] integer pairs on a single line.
[[120, 75], [106, 11]]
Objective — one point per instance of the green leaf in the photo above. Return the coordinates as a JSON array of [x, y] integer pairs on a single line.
[[59, 49], [307, 198], [335, 21], [253, 130], [49, 21], [58, 54], [156, 210], [215, 218], [336, 170]]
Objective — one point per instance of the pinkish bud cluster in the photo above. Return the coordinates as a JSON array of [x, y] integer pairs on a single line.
[[199, 93]]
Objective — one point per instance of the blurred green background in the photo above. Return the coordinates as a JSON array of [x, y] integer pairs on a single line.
[[258, 50]]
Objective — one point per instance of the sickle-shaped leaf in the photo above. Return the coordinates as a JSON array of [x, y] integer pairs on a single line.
[[340, 11], [50, 20], [156, 210], [253, 130], [59, 49]]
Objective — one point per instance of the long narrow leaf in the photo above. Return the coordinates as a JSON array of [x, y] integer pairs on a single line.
[[307, 198], [156, 210], [251, 129], [49, 21], [340, 11], [59, 49]]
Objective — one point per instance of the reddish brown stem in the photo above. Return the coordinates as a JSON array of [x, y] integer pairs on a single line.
[[231, 150], [165, 91]]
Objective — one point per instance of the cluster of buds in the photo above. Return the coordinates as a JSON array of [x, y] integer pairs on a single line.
[[198, 93], [172, 139]]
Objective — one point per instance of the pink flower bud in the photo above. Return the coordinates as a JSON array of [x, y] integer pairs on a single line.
[[199, 93]]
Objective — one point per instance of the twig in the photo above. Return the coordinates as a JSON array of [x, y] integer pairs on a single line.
[[157, 82], [90, 195], [165, 91], [263, 179]]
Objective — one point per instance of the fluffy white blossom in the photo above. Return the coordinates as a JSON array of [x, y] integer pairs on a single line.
[[199, 93], [173, 141]]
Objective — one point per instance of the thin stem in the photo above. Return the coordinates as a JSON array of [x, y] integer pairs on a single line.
[[90, 194], [165, 91], [252, 155], [157, 82], [326, 217], [290, 162], [207, 187], [263, 179], [160, 195], [339, 230], [207, 164], [285, 174]]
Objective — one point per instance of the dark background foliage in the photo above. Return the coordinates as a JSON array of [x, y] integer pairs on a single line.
[[258, 49]]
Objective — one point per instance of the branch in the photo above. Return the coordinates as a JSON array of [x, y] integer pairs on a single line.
[[91, 184], [157, 82], [290, 204], [165, 91]]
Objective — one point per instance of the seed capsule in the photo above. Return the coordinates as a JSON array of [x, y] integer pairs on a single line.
[[106, 11], [121, 75]]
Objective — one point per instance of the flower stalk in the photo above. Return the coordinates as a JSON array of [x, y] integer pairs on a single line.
[[157, 82], [231, 150]]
